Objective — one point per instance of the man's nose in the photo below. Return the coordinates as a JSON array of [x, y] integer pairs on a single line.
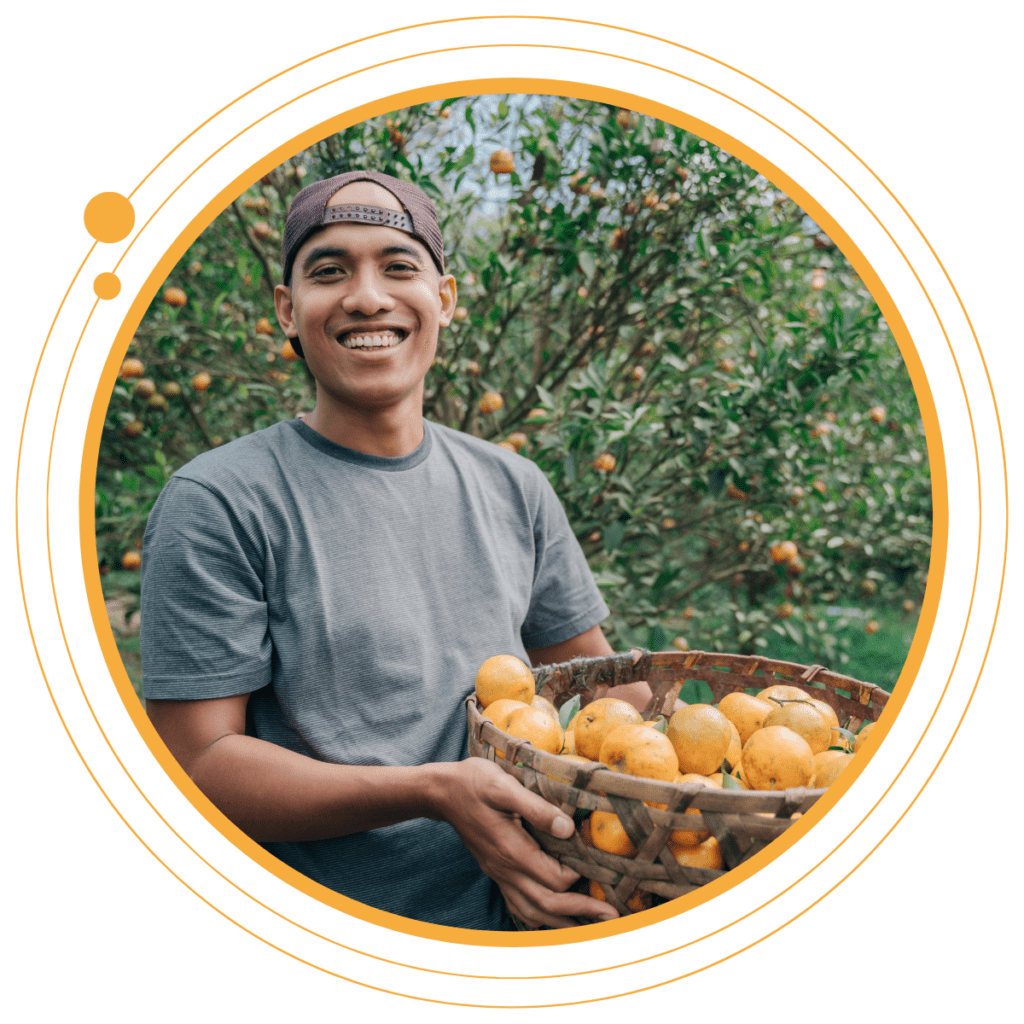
[[367, 293]]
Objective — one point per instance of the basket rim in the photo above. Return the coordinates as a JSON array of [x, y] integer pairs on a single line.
[[667, 670]]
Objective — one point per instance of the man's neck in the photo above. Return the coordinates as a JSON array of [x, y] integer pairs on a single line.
[[389, 432]]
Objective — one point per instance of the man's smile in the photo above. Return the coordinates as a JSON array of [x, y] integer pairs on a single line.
[[363, 337]]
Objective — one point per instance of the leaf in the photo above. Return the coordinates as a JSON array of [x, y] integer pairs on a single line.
[[665, 577], [466, 159], [587, 264], [546, 397], [567, 710], [728, 782], [613, 535]]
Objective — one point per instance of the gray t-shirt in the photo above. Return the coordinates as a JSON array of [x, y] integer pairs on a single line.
[[354, 597]]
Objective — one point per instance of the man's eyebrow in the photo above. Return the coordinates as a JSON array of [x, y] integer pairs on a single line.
[[337, 252]]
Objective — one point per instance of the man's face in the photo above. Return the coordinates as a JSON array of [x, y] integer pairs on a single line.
[[366, 302]]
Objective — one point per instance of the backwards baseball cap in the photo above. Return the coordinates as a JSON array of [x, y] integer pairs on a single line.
[[309, 213]]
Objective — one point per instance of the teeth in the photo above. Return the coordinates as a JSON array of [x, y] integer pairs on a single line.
[[382, 339]]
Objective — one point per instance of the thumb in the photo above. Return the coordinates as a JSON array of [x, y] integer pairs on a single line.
[[544, 816]]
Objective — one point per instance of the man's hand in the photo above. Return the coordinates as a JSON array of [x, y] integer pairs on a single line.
[[485, 807]]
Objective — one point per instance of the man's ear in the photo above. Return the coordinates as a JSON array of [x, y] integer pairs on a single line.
[[284, 310], [449, 298]]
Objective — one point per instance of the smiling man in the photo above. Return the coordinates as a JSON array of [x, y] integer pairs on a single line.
[[318, 596]]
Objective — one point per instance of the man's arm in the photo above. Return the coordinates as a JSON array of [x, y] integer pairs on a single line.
[[274, 794], [591, 644]]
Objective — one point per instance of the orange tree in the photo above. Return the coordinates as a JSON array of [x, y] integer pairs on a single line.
[[695, 366]]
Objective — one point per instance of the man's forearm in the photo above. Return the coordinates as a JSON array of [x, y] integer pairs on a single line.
[[276, 795]]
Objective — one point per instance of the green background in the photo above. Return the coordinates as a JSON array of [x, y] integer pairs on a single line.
[[96, 926]]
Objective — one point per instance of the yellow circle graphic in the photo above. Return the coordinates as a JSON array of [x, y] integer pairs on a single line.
[[109, 217], [107, 286]]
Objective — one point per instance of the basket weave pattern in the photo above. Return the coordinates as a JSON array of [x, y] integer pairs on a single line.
[[737, 818]]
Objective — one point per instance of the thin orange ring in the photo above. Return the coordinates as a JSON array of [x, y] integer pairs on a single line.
[[90, 314]]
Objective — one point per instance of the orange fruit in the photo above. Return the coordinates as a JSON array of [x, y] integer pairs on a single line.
[[639, 750], [733, 754], [701, 736], [536, 727], [504, 675], [682, 837], [607, 833], [597, 720], [569, 746], [264, 326], [605, 462], [501, 162], [784, 551], [201, 381], [576, 759], [640, 900], [175, 297], [134, 428], [171, 389], [717, 780], [585, 832], [746, 713], [707, 854], [518, 439], [543, 704], [132, 368], [836, 738], [827, 767], [826, 710], [864, 733], [805, 720], [288, 351], [776, 758], [131, 560], [144, 388], [491, 402], [780, 691], [499, 710]]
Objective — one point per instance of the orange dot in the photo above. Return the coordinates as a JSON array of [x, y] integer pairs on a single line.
[[107, 286], [109, 217]]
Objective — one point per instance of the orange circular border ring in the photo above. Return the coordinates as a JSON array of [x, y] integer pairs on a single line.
[[621, 98]]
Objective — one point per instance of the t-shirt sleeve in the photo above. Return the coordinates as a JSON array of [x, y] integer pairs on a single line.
[[565, 600], [204, 625]]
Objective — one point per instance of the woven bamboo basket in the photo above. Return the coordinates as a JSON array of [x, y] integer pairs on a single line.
[[738, 819]]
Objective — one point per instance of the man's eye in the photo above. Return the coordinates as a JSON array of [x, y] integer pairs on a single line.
[[402, 268], [326, 271]]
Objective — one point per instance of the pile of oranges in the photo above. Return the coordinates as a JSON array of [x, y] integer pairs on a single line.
[[780, 738]]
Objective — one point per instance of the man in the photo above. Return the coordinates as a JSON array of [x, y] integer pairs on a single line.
[[317, 596]]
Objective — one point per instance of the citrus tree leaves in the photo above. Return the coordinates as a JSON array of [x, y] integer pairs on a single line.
[[633, 292]]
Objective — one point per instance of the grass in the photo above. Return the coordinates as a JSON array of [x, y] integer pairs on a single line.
[[876, 658]]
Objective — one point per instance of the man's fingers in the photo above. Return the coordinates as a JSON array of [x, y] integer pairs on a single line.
[[538, 907], [543, 868], [542, 815]]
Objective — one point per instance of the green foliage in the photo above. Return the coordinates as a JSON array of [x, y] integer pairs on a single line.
[[631, 291]]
